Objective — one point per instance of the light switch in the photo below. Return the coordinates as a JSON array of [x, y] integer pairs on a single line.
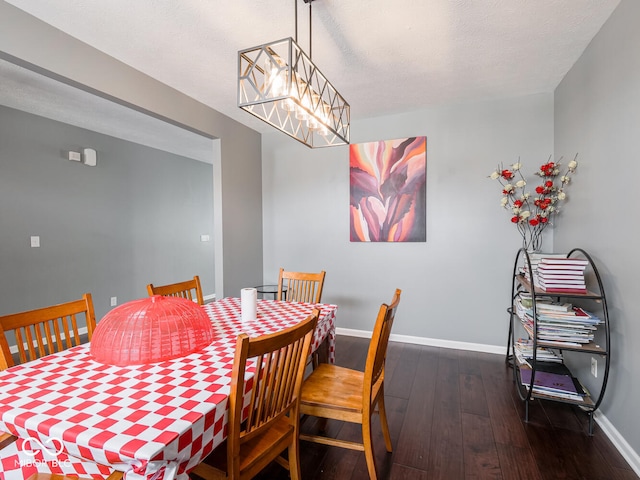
[[204, 238], [35, 241]]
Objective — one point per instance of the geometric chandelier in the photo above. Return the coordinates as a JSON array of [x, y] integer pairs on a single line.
[[279, 84]]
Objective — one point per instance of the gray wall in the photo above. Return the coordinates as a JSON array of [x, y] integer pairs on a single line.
[[135, 218], [456, 286], [237, 168], [597, 113]]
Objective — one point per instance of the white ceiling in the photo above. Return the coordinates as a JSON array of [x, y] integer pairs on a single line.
[[384, 57]]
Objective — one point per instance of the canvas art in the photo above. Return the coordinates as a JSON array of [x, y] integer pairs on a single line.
[[388, 182]]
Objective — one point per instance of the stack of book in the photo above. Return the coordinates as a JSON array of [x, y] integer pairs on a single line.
[[560, 275], [534, 260], [524, 353], [558, 325], [561, 385], [544, 303]]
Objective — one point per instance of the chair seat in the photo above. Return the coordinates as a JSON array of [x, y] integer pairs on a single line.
[[333, 386], [252, 458]]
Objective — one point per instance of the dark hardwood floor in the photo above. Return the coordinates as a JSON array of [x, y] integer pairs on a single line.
[[455, 415]]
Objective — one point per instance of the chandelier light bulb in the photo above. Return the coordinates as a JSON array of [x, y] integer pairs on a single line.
[[313, 123], [301, 114]]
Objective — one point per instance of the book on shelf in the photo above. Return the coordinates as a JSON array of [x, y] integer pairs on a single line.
[[566, 323], [574, 328], [549, 285], [560, 267], [557, 341], [576, 315], [566, 334], [563, 344], [561, 283], [563, 261], [563, 275], [544, 303], [561, 382], [561, 332], [560, 275], [573, 291], [562, 307], [549, 383], [524, 352], [569, 313], [534, 260]]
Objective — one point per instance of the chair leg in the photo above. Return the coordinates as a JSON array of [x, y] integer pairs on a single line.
[[383, 421], [367, 441], [294, 460]]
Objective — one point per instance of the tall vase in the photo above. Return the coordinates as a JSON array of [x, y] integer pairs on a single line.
[[532, 245], [532, 240]]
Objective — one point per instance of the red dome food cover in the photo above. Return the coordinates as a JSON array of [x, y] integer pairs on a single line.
[[151, 330]]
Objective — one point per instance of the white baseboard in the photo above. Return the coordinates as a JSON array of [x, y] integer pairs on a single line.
[[433, 342], [209, 298], [618, 441]]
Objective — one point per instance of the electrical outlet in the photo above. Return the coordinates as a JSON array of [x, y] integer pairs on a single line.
[[114, 301], [594, 367]]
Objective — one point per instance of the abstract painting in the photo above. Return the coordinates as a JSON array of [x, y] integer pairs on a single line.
[[388, 182]]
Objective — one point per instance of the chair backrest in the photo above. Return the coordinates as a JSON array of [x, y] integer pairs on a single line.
[[300, 286], [46, 330], [377, 353], [279, 360], [189, 289]]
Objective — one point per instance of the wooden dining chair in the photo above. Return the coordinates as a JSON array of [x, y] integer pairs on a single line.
[[189, 289], [303, 287], [300, 286], [46, 330], [273, 421], [333, 392]]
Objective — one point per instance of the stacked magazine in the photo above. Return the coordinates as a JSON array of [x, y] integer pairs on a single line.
[[524, 353], [561, 325], [561, 385]]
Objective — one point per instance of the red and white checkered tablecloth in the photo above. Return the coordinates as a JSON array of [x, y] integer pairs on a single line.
[[76, 416]]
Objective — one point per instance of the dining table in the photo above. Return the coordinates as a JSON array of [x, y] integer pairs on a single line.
[[74, 415]]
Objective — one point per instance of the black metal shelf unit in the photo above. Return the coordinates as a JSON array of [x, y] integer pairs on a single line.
[[594, 300]]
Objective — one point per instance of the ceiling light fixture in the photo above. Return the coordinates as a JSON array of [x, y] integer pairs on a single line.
[[279, 84]]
